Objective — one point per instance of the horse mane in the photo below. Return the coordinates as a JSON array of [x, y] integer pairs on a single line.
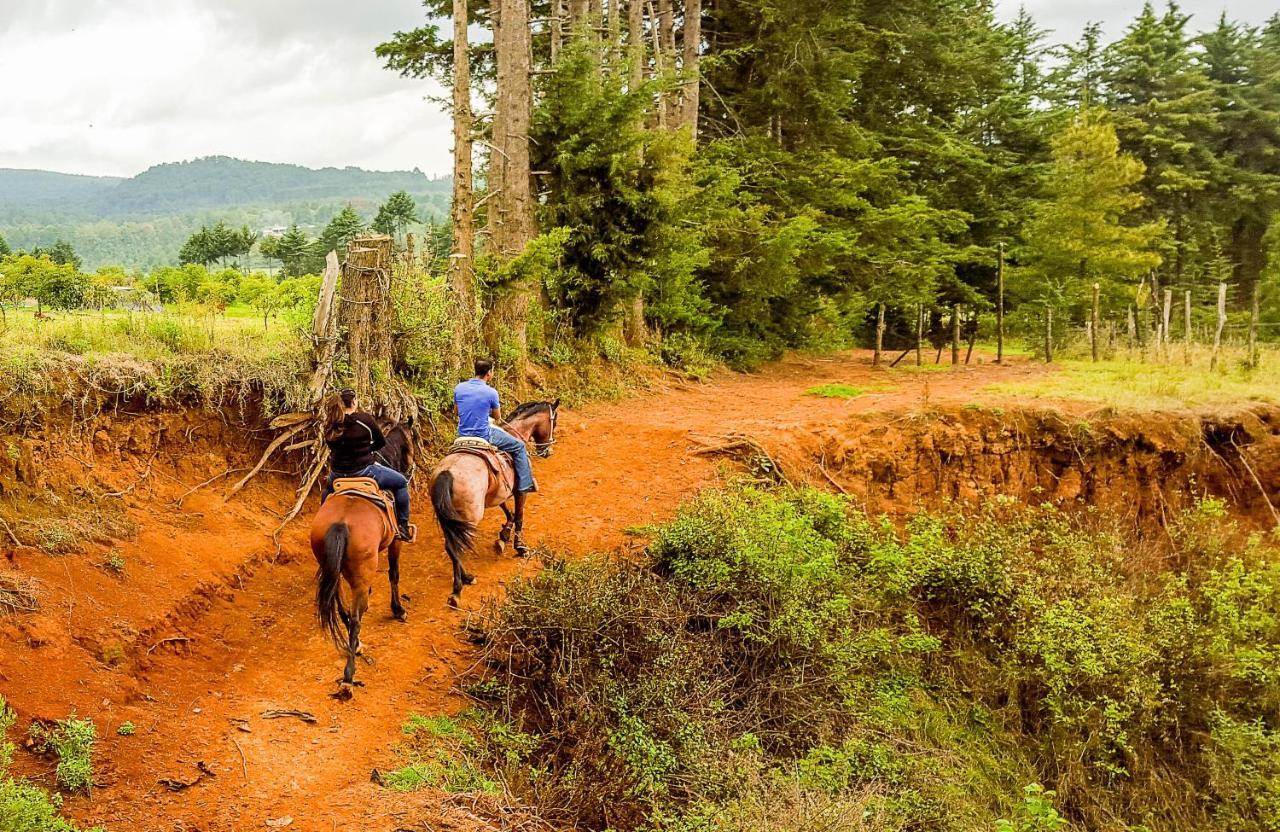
[[528, 409]]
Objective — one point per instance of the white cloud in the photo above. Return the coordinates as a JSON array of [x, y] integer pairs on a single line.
[[113, 87], [1066, 18]]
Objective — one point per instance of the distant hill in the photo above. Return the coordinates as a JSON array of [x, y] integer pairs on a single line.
[[142, 221]]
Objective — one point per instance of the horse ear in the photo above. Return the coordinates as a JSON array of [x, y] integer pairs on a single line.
[[555, 405]]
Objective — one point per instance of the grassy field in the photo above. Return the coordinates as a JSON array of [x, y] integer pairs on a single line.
[[1134, 384], [159, 354]]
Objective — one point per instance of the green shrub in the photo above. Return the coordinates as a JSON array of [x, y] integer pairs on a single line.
[[779, 647], [25, 807], [440, 752], [71, 740]]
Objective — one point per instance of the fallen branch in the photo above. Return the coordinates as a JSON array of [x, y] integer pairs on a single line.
[[280, 713], [193, 489], [266, 455], [317, 468], [170, 640], [9, 531], [822, 466], [736, 442], [244, 767], [1240, 452]]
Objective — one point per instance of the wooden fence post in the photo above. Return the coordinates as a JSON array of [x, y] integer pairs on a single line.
[[1222, 322], [875, 361], [919, 332], [1164, 318], [955, 335], [1000, 306], [1093, 322], [1186, 327], [1253, 326], [1048, 334]]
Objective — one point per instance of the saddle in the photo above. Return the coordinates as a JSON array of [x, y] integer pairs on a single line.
[[498, 462], [366, 488]]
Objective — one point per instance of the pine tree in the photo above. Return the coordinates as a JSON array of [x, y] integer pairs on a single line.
[[1078, 234], [396, 215]]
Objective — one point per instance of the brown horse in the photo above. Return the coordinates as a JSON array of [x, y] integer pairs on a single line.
[[348, 535], [463, 485]]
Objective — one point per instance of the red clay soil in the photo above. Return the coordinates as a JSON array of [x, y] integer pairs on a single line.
[[206, 630]]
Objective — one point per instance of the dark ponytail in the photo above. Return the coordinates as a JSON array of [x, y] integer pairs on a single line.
[[334, 416]]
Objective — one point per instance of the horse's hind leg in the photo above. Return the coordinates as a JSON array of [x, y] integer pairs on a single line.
[[359, 603], [393, 572]]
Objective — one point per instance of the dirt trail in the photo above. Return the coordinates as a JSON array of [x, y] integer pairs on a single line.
[[212, 633]]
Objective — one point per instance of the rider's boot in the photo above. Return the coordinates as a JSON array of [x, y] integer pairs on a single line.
[[404, 532]]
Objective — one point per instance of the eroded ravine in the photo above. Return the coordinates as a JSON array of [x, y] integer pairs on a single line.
[[207, 629]]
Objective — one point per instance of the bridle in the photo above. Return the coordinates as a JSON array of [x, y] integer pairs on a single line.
[[543, 449]]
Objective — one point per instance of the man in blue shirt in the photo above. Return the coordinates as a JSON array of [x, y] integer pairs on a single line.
[[477, 403]]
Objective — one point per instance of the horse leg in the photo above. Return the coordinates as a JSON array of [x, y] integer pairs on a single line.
[[504, 536], [359, 603], [393, 572], [461, 578], [521, 549]]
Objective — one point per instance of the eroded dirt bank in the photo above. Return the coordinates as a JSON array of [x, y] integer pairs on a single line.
[[204, 628]]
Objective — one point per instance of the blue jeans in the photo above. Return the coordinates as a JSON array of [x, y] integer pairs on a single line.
[[504, 441], [387, 479]]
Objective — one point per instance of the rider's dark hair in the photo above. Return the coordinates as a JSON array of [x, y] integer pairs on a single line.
[[483, 366], [334, 416]]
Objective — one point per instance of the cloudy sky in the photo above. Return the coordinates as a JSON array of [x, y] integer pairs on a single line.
[[114, 86]]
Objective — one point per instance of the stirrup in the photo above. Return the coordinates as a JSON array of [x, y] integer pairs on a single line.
[[408, 534]]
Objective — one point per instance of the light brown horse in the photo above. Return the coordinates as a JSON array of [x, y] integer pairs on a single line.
[[463, 486], [348, 535]]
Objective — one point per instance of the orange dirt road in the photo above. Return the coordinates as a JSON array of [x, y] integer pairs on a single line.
[[215, 633]]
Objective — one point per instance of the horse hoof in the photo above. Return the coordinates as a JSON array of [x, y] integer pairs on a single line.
[[453, 601], [505, 534], [400, 616], [499, 547], [468, 580]]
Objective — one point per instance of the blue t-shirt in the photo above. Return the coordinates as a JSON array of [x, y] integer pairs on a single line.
[[474, 400]]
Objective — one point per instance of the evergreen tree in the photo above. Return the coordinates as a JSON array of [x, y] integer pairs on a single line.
[[396, 215], [4, 247], [294, 250], [341, 230], [1078, 234], [1161, 101]]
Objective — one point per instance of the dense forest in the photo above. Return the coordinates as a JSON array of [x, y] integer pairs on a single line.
[[142, 222], [767, 174]]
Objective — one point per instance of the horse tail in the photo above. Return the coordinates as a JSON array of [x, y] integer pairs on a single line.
[[458, 533], [328, 599]]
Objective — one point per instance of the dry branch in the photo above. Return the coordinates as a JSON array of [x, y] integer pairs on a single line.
[[18, 593], [744, 448], [266, 455]]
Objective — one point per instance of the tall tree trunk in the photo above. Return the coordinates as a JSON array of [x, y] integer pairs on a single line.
[[635, 330], [512, 212], [635, 41], [664, 58], [692, 50], [578, 12], [462, 270], [557, 28]]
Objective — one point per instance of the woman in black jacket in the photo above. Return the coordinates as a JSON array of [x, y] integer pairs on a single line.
[[353, 437]]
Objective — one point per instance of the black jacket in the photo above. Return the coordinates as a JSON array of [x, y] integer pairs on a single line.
[[354, 447]]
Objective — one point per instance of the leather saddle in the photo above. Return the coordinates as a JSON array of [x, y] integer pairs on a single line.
[[498, 462], [366, 488]]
